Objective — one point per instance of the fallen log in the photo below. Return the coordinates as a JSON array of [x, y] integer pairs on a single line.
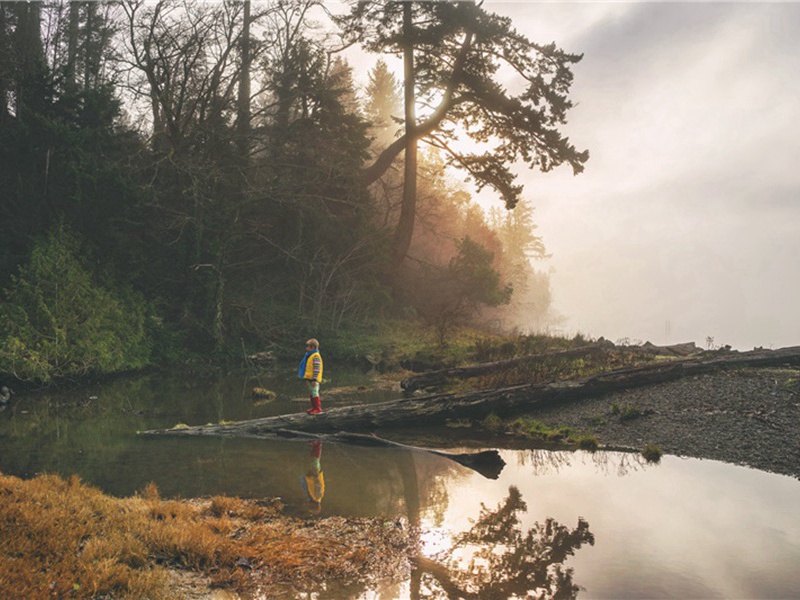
[[437, 409], [433, 378], [436, 378]]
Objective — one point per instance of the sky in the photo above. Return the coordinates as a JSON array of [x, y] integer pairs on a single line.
[[685, 225]]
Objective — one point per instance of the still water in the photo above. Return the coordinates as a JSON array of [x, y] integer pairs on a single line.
[[608, 523]]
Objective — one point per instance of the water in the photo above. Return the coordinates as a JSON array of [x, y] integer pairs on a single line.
[[609, 523]]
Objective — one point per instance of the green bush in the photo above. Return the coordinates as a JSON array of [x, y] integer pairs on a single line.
[[652, 453], [56, 321]]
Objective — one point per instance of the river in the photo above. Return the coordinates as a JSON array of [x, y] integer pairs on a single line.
[[608, 523]]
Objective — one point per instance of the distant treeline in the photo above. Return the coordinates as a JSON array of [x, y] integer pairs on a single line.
[[209, 177]]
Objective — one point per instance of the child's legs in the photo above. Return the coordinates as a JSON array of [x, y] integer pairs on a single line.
[[313, 387]]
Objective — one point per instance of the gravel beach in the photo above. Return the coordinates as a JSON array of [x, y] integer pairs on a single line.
[[745, 416]]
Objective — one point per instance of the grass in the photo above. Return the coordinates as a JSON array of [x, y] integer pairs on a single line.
[[60, 538], [528, 428]]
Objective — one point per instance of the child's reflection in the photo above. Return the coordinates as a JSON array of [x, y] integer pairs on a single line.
[[314, 481]]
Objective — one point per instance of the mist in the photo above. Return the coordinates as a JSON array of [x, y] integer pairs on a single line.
[[684, 226]]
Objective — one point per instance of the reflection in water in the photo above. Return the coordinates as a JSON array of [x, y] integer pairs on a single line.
[[494, 559], [313, 479], [547, 462]]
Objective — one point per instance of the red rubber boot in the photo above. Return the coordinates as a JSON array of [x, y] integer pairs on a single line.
[[316, 407], [310, 399]]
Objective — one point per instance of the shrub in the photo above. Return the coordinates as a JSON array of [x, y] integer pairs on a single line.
[[59, 322], [652, 453]]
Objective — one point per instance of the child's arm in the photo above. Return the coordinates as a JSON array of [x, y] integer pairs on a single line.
[[317, 364]]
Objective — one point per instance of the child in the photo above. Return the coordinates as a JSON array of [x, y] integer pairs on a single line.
[[311, 371]]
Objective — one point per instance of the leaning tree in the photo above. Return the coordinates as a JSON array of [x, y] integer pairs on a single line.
[[454, 55]]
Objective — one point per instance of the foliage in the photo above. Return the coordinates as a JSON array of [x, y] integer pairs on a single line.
[[458, 50], [652, 453], [242, 215], [453, 295], [60, 322]]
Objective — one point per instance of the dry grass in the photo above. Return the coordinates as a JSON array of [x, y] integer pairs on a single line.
[[540, 370], [64, 539]]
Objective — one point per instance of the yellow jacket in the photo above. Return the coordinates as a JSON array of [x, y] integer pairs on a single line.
[[314, 367]]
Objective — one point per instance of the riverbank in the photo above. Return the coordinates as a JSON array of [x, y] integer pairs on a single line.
[[747, 416], [60, 538]]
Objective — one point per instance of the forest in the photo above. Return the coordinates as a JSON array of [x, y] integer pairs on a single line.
[[218, 178]]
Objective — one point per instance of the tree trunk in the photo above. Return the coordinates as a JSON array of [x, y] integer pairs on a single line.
[[30, 58], [72, 45], [5, 63], [243, 100], [505, 402], [405, 226]]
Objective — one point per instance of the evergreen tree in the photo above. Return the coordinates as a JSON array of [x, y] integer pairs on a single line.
[[452, 52], [383, 107]]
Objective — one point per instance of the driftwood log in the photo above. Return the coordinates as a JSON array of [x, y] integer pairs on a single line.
[[437, 409], [437, 378], [433, 378]]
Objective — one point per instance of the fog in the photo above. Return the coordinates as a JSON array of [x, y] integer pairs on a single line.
[[685, 225]]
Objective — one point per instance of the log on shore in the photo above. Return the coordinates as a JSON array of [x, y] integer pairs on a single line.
[[437, 409], [439, 377], [432, 378]]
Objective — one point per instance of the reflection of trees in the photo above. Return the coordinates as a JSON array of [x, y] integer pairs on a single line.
[[496, 560], [544, 461]]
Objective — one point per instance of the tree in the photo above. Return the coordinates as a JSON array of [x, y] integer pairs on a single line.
[[64, 156], [454, 294], [29, 74], [452, 53], [191, 62], [530, 307], [383, 107], [314, 144]]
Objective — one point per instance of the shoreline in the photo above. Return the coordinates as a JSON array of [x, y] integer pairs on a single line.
[[749, 417]]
